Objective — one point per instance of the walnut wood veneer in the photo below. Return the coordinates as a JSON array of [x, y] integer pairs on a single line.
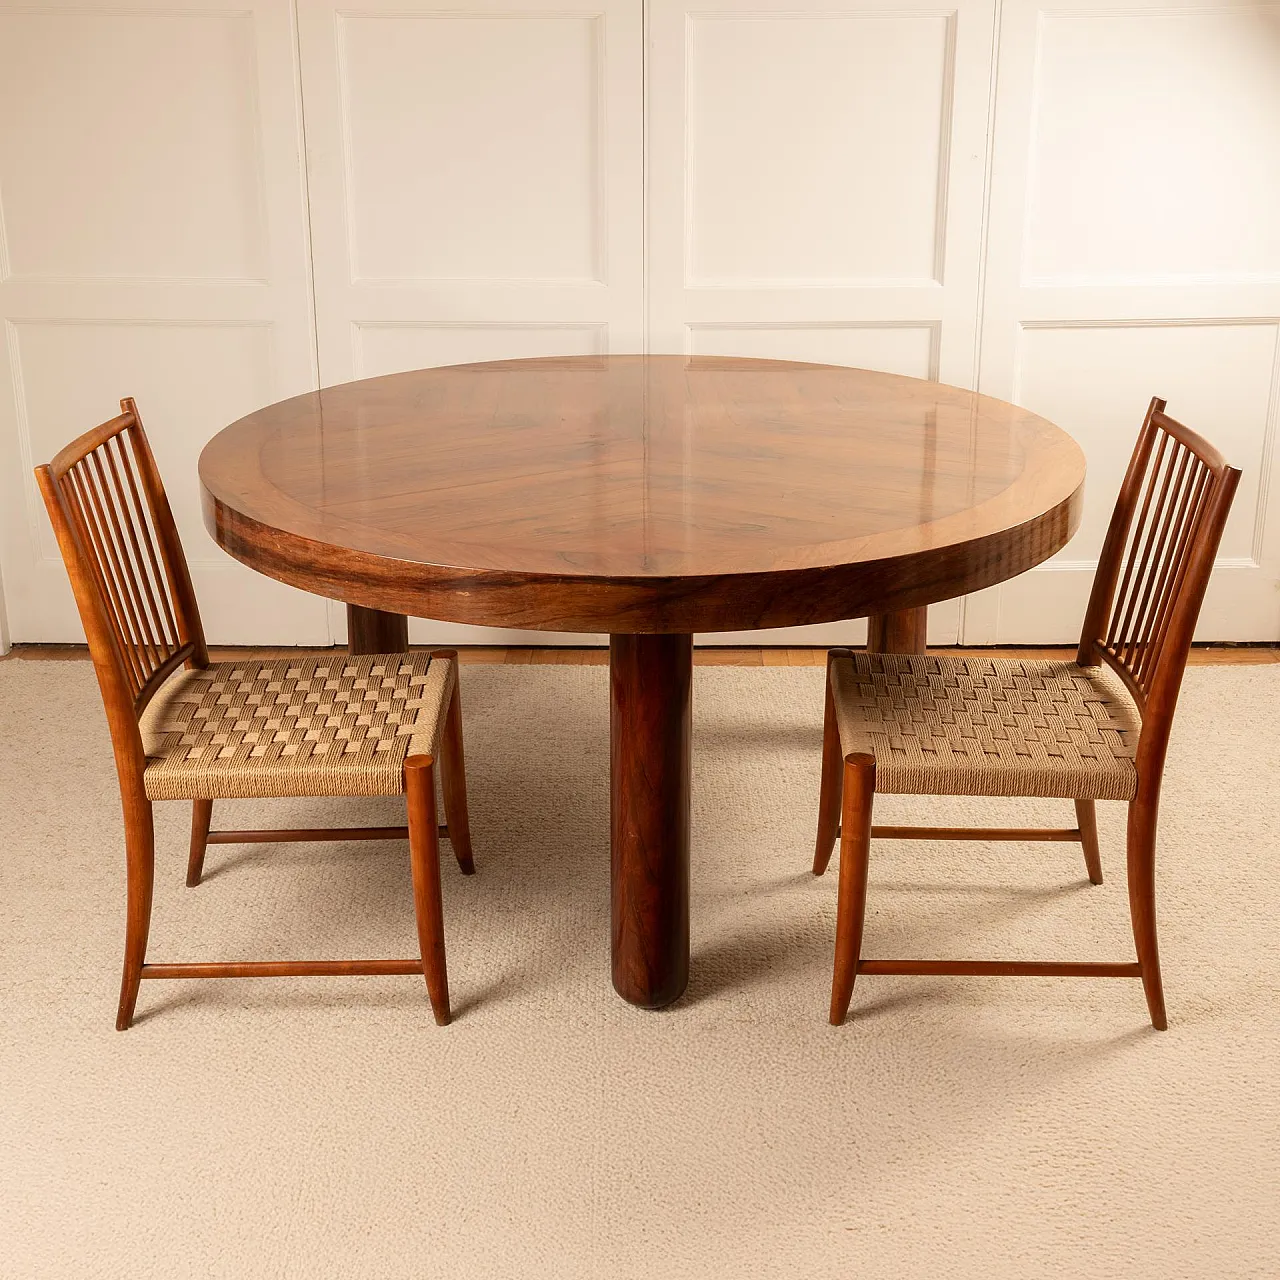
[[650, 498]]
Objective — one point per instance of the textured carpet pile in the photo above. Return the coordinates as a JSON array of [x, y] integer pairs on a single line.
[[326, 1127]]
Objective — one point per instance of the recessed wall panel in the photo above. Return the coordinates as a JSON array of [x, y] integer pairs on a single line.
[[189, 380], [1154, 151], [384, 348], [1096, 382], [472, 146], [891, 349], [814, 145], [129, 145]]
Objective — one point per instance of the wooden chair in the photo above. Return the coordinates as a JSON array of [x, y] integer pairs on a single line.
[[306, 726], [1093, 729]]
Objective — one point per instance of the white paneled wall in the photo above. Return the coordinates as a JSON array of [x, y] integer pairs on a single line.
[[213, 204]]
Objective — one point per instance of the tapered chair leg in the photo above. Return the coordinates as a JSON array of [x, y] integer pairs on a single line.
[[1142, 904], [424, 860], [1087, 821], [855, 852], [139, 843], [829, 788], [453, 782], [201, 816]]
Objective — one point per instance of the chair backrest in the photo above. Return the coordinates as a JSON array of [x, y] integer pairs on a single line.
[[1156, 562], [127, 568]]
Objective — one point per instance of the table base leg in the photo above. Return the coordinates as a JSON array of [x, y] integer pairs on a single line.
[[650, 683], [372, 631], [901, 632]]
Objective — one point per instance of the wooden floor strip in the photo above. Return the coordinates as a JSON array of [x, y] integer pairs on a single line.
[[707, 656]]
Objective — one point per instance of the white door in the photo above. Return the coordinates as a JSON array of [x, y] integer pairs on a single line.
[[1134, 251], [153, 243], [816, 175], [475, 187]]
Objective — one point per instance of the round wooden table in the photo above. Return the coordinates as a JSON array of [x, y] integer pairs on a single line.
[[650, 498]]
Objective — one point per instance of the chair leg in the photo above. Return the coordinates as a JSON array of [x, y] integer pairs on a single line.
[[1142, 903], [424, 860], [139, 843], [829, 788], [453, 782], [201, 816], [1087, 821], [855, 851]]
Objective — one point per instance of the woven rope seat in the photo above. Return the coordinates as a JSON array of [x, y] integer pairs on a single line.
[[329, 726], [986, 726]]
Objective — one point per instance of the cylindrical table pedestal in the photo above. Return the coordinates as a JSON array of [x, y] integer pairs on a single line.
[[651, 682]]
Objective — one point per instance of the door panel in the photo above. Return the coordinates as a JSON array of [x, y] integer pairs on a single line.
[[155, 253], [475, 182], [1134, 151], [815, 193]]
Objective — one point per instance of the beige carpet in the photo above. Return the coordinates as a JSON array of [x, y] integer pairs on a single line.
[[955, 1128]]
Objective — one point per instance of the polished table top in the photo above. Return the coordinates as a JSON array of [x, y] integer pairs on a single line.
[[632, 493]]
